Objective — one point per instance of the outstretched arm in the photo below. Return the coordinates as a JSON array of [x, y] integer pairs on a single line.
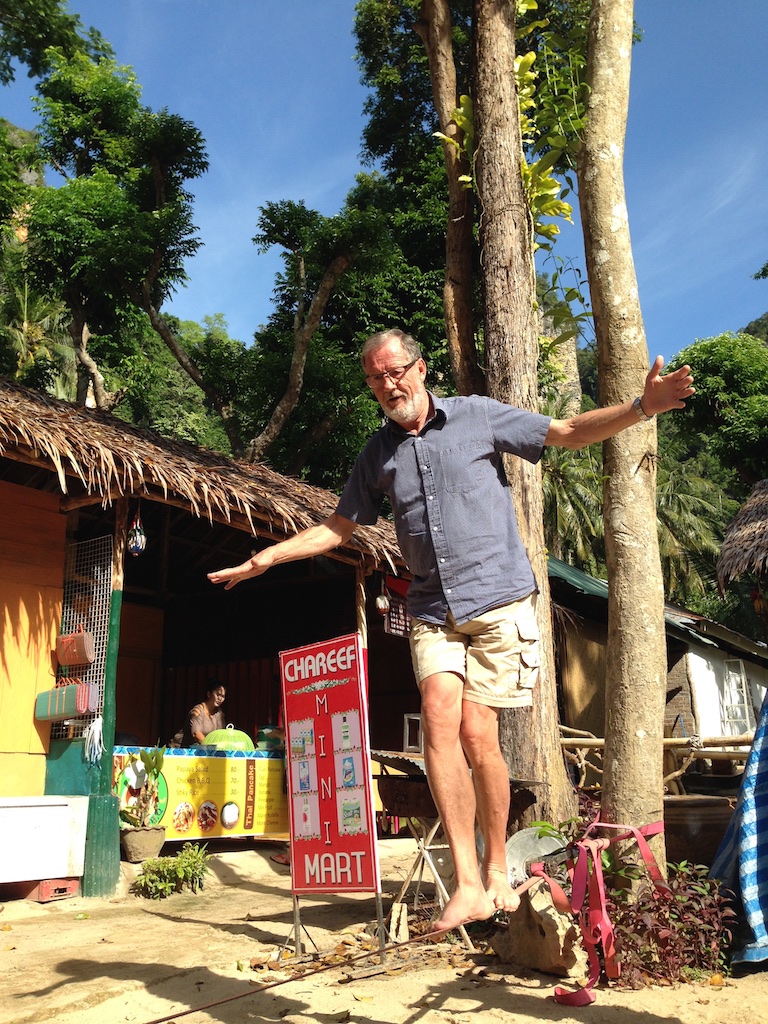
[[661, 394], [316, 540]]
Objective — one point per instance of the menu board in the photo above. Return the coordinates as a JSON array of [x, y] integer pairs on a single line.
[[328, 763], [205, 792]]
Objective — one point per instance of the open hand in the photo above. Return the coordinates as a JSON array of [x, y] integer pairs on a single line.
[[231, 577], [668, 391]]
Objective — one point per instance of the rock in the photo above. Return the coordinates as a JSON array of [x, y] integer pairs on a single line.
[[542, 938]]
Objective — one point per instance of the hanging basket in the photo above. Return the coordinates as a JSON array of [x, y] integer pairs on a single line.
[[62, 702], [76, 648]]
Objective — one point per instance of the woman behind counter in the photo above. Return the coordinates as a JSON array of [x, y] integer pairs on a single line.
[[204, 717]]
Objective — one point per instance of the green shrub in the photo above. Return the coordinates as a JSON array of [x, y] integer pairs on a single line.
[[161, 876]]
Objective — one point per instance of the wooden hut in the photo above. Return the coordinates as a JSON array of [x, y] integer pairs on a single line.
[[744, 550], [73, 482]]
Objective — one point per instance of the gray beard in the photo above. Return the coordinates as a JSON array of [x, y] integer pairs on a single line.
[[407, 411]]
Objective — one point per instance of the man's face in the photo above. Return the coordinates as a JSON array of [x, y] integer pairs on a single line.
[[405, 401]]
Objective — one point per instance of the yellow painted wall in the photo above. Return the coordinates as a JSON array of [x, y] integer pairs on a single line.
[[32, 540], [22, 775]]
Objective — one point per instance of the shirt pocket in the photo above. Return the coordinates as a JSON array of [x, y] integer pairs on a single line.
[[461, 467], [412, 529]]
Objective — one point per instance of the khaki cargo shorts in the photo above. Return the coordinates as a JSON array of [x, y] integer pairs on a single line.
[[497, 654]]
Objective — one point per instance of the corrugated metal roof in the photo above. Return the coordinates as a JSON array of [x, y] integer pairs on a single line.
[[681, 623]]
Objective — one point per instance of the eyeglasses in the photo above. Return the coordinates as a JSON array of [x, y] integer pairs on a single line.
[[375, 380]]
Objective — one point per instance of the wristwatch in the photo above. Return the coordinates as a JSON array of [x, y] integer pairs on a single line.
[[637, 405]]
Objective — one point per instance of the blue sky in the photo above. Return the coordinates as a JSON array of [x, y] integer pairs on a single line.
[[274, 89]]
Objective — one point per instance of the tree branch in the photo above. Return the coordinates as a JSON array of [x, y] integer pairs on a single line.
[[302, 335]]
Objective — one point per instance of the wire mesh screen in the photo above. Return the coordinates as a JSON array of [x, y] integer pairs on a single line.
[[87, 596]]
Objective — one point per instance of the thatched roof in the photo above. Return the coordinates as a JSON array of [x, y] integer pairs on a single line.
[[98, 458], [745, 545]]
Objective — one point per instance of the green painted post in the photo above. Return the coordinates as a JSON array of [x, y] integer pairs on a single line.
[[102, 846]]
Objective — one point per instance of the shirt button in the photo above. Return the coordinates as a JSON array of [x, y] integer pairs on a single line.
[[442, 559], [448, 591], [431, 497]]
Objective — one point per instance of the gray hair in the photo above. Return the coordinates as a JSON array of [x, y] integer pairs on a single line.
[[410, 345]]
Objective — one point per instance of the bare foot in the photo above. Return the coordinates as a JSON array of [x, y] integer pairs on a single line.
[[467, 904], [499, 891]]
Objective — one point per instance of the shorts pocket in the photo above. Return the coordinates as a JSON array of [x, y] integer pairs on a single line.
[[530, 664]]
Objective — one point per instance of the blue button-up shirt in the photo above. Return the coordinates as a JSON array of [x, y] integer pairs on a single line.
[[453, 512]]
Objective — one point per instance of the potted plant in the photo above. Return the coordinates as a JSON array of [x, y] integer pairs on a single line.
[[140, 835]]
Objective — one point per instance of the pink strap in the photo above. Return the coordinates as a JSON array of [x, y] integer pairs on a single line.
[[589, 904]]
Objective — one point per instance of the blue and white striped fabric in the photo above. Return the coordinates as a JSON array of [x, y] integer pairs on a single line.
[[741, 862]]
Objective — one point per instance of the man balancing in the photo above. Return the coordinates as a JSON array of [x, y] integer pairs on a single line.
[[474, 638]]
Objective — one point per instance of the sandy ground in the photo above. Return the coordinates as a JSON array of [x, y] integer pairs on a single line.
[[197, 958]]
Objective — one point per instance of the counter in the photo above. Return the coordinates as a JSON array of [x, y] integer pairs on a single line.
[[207, 793]]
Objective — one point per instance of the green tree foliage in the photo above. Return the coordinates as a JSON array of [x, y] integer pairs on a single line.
[[28, 28], [114, 237], [87, 109], [17, 164], [35, 348], [757, 328], [94, 128], [410, 187], [335, 409], [692, 503], [78, 235], [692, 513], [587, 360], [393, 64], [158, 393], [572, 481], [730, 411]]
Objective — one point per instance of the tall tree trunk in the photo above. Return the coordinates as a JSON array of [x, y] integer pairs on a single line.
[[434, 28], [91, 387], [636, 667], [530, 737], [565, 358]]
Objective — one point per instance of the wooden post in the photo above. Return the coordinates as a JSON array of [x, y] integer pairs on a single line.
[[362, 621]]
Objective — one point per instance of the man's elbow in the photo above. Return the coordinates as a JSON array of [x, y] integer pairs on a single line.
[[341, 527], [564, 434]]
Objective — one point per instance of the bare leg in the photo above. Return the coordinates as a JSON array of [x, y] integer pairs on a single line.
[[480, 738], [451, 785]]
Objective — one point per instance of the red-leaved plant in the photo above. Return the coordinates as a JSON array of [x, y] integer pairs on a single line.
[[679, 936]]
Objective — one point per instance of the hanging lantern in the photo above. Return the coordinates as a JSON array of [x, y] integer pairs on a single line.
[[137, 538]]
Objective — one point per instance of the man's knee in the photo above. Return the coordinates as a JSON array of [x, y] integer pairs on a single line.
[[441, 706], [479, 729]]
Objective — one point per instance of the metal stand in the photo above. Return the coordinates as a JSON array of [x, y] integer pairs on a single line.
[[297, 928], [425, 836]]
